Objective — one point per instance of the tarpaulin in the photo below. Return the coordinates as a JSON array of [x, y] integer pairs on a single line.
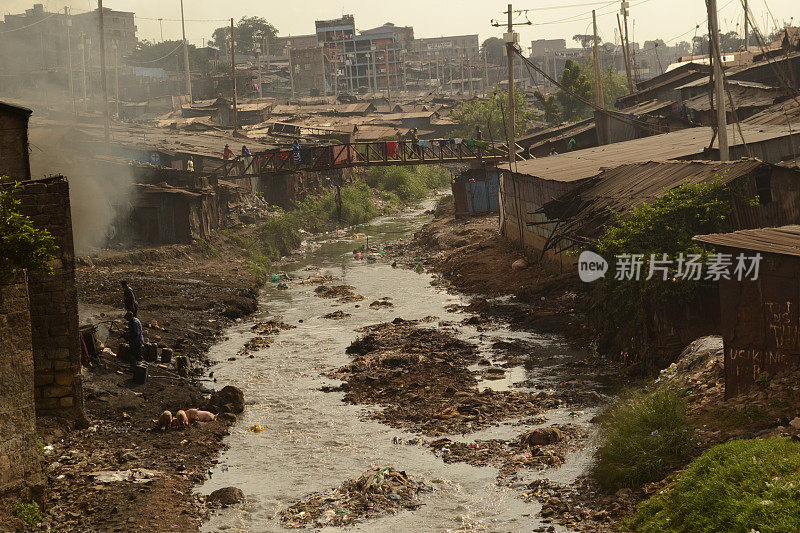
[[391, 149]]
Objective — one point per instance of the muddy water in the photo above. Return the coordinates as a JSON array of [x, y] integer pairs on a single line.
[[314, 441]]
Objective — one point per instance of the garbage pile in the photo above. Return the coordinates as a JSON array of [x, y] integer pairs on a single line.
[[376, 492]]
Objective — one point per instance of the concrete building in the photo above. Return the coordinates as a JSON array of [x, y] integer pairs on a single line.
[[292, 42], [455, 47], [14, 160], [308, 71], [372, 60]]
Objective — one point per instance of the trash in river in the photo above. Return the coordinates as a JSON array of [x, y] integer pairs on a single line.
[[275, 277], [378, 491], [344, 293], [282, 286], [256, 429], [140, 475]]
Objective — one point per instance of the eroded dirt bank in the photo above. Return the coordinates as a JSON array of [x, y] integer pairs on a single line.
[[186, 299]]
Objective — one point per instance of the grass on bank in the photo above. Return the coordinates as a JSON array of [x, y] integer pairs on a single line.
[[28, 512], [640, 438], [741, 485], [280, 234]]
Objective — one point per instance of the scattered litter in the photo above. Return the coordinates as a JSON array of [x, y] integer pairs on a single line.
[[256, 429], [140, 475], [376, 492]]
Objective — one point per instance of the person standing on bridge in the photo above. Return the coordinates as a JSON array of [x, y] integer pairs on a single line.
[[227, 153], [415, 141], [296, 152], [478, 133]]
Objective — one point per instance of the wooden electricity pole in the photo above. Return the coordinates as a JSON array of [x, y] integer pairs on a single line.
[[601, 118], [186, 57], [509, 38], [746, 25], [625, 58], [68, 23], [103, 82], [388, 81], [719, 81], [233, 80]]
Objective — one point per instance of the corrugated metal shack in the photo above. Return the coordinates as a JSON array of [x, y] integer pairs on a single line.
[[578, 217], [537, 181], [167, 215], [14, 141], [476, 192], [760, 319]]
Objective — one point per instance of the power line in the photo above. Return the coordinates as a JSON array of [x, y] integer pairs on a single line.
[[29, 25]]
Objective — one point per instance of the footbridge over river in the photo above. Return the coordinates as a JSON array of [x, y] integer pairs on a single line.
[[364, 154]]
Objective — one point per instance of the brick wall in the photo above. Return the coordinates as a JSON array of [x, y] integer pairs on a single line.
[[20, 466], [14, 142], [54, 306]]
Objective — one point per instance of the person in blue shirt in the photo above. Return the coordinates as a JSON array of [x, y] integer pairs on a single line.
[[135, 337], [296, 152]]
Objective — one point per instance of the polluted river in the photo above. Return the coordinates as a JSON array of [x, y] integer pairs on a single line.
[[313, 441]]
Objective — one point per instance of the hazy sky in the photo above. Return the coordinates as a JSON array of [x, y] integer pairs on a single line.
[[667, 19]]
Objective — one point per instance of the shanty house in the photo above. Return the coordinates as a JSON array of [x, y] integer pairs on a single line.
[[14, 160], [475, 192], [759, 318]]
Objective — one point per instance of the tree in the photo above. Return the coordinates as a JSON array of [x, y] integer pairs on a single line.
[[585, 40], [548, 104], [700, 45], [683, 48], [488, 114], [493, 48], [657, 43], [576, 83], [248, 31], [730, 42], [22, 245], [167, 55]]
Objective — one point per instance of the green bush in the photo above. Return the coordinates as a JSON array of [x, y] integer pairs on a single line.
[[22, 245], [741, 485], [411, 183], [28, 513], [640, 438]]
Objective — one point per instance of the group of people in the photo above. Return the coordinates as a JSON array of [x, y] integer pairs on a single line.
[[228, 154]]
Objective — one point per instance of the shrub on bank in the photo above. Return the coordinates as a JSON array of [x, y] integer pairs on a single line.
[[741, 485], [409, 184], [27, 512], [640, 438]]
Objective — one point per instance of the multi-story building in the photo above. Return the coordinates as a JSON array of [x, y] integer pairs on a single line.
[[455, 47], [308, 71], [37, 39], [296, 42], [372, 60]]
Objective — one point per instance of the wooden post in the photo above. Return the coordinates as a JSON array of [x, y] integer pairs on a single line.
[[625, 58], [388, 81], [511, 111], [103, 81], [601, 118], [186, 57], [719, 81], [233, 80]]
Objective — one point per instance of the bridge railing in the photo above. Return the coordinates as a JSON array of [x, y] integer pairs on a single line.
[[372, 153]]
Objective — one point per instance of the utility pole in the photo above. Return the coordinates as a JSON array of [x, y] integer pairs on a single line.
[[601, 119], [161, 26], [625, 58], [233, 79], [103, 82], [627, 41], [83, 66], [258, 61], [510, 41], [719, 81], [68, 23], [469, 76], [291, 71], [186, 58], [461, 61], [485, 74], [746, 25], [388, 81], [116, 78]]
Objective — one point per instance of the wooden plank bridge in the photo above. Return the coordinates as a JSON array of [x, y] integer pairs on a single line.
[[364, 154]]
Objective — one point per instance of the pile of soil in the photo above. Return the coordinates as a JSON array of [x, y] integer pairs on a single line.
[[421, 378], [265, 335], [336, 315], [342, 293], [535, 449], [377, 492]]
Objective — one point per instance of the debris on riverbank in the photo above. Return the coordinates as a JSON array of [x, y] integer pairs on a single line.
[[342, 293], [377, 492], [421, 378]]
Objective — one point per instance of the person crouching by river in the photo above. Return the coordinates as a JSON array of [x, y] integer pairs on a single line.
[[135, 338]]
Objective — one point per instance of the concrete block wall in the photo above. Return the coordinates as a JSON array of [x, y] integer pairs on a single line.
[[54, 306], [20, 464]]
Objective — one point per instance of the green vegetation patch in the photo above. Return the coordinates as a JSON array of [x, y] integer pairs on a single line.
[[741, 485], [28, 513], [640, 438], [410, 183]]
